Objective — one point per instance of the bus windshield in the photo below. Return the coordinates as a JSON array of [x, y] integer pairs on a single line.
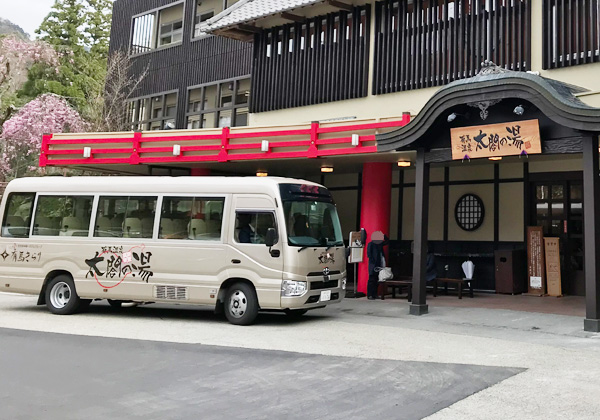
[[312, 223]]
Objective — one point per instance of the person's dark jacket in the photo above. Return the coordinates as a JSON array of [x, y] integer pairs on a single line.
[[374, 253]]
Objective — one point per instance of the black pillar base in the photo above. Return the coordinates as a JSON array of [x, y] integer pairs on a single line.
[[418, 309], [591, 325]]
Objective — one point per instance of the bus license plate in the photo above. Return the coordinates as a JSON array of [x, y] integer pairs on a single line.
[[325, 295]]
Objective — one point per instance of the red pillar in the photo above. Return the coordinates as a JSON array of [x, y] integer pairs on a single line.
[[200, 172], [375, 209]]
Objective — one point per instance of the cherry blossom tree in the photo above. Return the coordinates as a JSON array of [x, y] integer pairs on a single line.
[[21, 137], [16, 57]]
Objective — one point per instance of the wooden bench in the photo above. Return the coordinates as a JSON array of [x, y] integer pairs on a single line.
[[459, 285], [403, 282]]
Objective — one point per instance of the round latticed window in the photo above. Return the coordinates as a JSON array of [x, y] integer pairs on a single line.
[[469, 212]]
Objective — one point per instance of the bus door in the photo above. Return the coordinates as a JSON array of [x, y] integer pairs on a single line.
[[250, 258]]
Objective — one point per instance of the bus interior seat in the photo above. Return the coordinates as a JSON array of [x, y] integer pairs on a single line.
[[147, 226], [167, 227], [69, 225], [46, 226], [15, 221], [132, 227], [197, 228], [104, 226]]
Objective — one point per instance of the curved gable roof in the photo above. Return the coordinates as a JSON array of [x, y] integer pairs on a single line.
[[555, 99]]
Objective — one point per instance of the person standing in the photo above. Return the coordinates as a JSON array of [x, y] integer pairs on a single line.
[[376, 260]]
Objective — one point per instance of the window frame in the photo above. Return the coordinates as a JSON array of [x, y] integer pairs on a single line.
[[262, 211], [62, 194], [31, 213], [205, 197], [234, 107], [156, 30], [135, 125]]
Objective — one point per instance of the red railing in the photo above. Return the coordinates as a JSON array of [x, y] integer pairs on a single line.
[[215, 145]]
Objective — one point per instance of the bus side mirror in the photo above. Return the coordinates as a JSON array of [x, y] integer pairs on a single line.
[[271, 237]]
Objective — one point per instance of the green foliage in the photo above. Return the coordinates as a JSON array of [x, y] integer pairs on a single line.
[[79, 30]]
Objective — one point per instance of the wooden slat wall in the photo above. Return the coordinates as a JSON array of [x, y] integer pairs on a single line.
[[571, 32], [427, 43], [312, 62]]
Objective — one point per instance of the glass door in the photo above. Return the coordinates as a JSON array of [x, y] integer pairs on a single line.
[[558, 208]]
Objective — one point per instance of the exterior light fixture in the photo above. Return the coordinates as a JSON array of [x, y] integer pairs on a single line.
[[519, 110], [327, 169], [355, 139], [495, 158], [264, 146], [452, 117], [87, 152], [176, 150], [262, 173], [404, 164]]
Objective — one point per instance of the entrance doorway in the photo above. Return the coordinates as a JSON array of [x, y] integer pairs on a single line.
[[557, 206]]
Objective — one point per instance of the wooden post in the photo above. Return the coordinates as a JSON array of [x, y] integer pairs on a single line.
[[418, 305], [591, 210]]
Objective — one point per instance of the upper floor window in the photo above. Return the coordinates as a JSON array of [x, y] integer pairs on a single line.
[[222, 104], [571, 32], [157, 29], [153, 113], [206, 9]]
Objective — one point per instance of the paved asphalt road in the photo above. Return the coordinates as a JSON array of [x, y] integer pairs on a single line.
[[57, 376], [357, 360]]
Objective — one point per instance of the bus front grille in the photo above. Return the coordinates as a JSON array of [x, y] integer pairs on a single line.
[[170, 292]]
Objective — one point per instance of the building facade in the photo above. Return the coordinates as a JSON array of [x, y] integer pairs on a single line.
[[325, 71], [194, 80]]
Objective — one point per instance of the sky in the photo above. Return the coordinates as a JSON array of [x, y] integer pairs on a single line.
[[28, 14]]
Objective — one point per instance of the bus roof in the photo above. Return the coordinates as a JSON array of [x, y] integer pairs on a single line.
[[152, 184]]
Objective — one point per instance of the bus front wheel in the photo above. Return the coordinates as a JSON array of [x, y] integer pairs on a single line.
[[241, 304], [61, 297]]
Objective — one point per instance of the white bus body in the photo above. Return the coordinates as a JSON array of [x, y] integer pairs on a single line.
[[196, 240]]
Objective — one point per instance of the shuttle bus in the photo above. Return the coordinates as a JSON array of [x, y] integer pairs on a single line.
[[237, 244]]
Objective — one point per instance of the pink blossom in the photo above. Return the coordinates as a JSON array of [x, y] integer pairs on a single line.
[[22, 134]]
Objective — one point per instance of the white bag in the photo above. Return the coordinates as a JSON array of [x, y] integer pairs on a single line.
[[385, 273]]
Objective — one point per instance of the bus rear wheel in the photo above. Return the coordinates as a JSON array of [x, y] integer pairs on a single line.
[[241, 304], [61, 297]]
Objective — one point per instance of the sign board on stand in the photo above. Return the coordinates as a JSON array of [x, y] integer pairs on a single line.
[[536, 279], [357, 246], [551, 245]]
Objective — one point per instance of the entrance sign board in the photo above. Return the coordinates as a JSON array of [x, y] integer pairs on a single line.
[[356, 247], [536, 282], [506, 139], [551, 245]]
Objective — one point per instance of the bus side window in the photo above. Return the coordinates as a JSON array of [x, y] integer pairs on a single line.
[[62, 215], [191, 218], [125, 217], [17, 218]]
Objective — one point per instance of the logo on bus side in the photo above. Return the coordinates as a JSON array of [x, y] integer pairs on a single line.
[[112, 263], [326, 257]]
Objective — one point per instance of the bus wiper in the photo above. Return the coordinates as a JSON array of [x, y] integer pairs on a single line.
[[303, 248]]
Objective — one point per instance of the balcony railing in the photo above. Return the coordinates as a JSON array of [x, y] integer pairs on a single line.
[[571, 32], [424, 43], [216, 145]]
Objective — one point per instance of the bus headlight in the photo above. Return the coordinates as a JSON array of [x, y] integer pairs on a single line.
[[293, 288], [344, 283]]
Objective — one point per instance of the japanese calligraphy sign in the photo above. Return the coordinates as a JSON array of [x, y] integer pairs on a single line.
[[536, 284], [552, 248], [506, 139], [112, 264]]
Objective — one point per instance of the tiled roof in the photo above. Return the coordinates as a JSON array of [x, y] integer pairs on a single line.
[[250, 10]]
